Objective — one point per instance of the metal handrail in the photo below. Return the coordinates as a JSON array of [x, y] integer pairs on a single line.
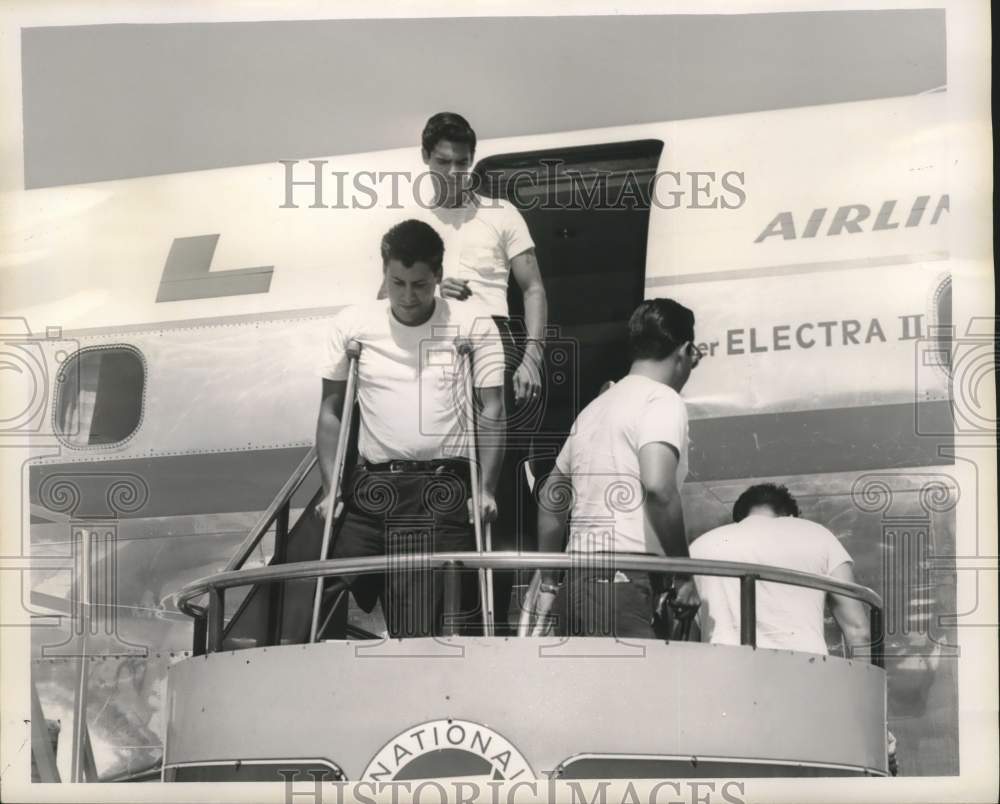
[[271, 513], [304, 570], [748, 574]]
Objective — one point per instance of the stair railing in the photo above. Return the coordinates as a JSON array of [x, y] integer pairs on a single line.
[[276, 514]]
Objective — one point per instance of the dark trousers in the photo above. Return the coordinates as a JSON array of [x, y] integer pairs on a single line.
[[516, 526], [607, 603], [396, 514], [536, 430]]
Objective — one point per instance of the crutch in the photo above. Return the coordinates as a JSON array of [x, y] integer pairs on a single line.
[[353, 352], [488, 539], [464, 347]]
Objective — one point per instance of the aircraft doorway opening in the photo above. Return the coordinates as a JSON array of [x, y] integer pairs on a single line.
[[588, 212]]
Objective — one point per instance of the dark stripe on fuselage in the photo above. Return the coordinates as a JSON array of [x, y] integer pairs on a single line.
[[820, 441], [760, 445], [178, 485]]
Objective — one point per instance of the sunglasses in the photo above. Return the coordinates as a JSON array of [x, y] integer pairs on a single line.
[[695, 354]]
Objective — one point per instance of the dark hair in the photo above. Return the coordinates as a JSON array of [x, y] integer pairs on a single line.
[[778, 498], [413, 241], [658, 327], [447, 126]]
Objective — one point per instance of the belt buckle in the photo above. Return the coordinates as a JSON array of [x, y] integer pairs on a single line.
[[395, 467]]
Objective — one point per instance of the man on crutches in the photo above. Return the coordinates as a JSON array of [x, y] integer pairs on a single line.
[[409, 490]]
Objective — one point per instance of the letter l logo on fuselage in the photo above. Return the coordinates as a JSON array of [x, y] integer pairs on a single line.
[[186, 274]]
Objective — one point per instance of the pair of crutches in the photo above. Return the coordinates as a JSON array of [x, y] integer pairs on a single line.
[[353, 352], [483, 531], [483, 534]]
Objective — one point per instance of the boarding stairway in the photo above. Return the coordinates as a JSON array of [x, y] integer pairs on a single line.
[[280, 613]]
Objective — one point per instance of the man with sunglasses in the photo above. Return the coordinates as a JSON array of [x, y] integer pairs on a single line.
[[616, 486]]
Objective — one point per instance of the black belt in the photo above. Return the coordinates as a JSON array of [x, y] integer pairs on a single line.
[[441, 465]]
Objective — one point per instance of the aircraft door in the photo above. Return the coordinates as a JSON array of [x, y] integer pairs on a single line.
[[588, 212]]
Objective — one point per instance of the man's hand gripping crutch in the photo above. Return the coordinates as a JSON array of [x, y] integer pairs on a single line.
[[329, 504], [483, 510]]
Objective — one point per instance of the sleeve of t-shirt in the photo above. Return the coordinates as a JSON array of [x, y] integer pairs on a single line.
[[516, 237], [836, 553], [663, 419], [564, 462], [334, 359], [487, 351]]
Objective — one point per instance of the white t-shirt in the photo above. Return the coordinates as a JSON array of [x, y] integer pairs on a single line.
[[480, 240], [601, 456], [788, 617], [411, 388]]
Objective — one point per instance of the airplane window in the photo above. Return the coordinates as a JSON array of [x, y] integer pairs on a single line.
[[99, 396]]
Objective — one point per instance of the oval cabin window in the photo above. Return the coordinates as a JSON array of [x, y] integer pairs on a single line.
[[99, 396]]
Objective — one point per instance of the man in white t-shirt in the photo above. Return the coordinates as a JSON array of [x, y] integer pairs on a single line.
[[767, 530], [621, 472], [486, 242], [409, 491], [487, 246]]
